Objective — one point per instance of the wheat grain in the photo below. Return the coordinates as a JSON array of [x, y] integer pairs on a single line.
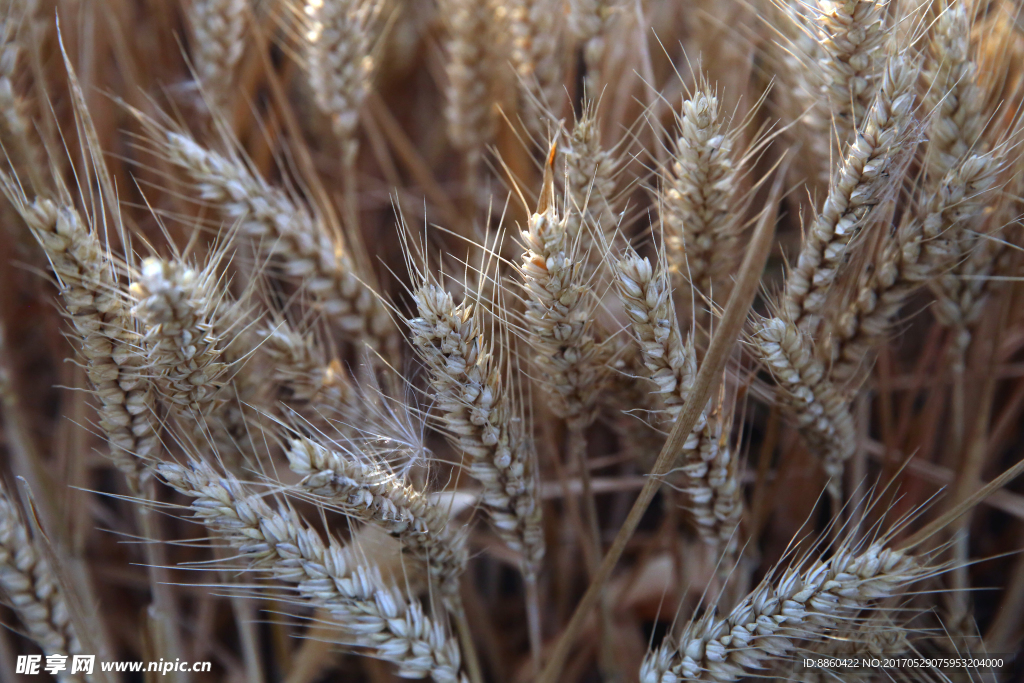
[[365, 490], [280, 544]]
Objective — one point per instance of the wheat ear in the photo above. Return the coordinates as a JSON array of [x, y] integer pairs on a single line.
[[952, 94], [699, 196], [710, 472], [470, 106], [20, 146], [712, 483], [100, 317], [477, 410], [799, 604], [646, 294], [852, 34], [178, 305], [818, 408], [306, 378], [218, 32], [921, 251], [367, 491], [590, 183], [536, 28], [291, 233], [572, 363], [339, 62], [280, 544], [870, 168], [29, 587], [590, 21]]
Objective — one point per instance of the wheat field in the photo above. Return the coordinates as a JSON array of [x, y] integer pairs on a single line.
[[512, 340]]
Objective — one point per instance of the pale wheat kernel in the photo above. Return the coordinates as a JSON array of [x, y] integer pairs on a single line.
[[699, 195], [99, 314], [29, 587], [366, 491], [477, 410], [800, 604], [300, 243], [218, 31], [282, 545], [339, 61], [817, 407], [870, 169]]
